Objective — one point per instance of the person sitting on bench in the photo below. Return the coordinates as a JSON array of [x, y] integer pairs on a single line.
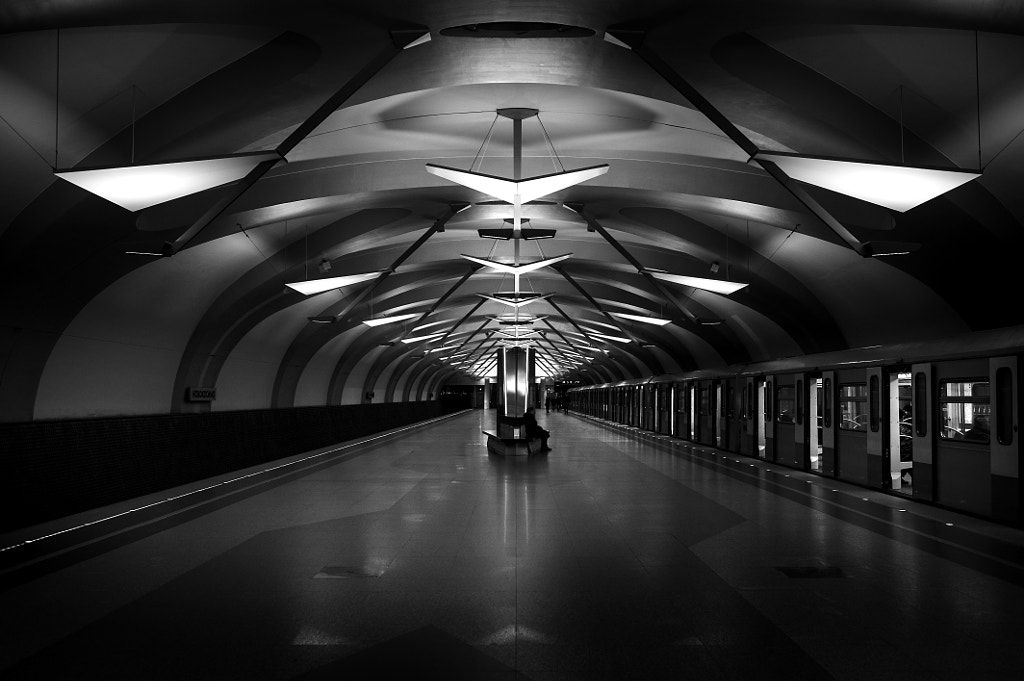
[[533, 430]]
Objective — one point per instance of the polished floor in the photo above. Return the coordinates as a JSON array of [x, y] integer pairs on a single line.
[[613, 557]]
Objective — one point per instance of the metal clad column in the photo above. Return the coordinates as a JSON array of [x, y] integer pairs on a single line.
[[516, 373]]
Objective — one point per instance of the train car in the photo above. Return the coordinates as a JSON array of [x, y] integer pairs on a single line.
[[937, 422]]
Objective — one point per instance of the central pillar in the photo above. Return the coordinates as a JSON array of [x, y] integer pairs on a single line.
[[516, 376]]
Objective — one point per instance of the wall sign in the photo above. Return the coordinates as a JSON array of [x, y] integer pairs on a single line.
[[202, 394]]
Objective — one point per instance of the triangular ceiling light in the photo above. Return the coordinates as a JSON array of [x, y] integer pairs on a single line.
[[896, 187], [516, 302], [380, 321], [658, 321], [517, 270], [313, 286], [517, 192], [713, 285], [136, 187]]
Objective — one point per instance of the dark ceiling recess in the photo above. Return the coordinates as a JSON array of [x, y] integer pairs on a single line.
[[517, 29]]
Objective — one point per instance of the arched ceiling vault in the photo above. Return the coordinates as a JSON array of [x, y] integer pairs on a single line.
[[122, 83]]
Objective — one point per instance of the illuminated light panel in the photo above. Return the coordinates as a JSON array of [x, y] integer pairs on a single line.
[[515, 192], [606, 336], [314, 286], [142, 186], [713, 285], [417, 339], [517, 269], [514, 302], [896, 187], [658, 321], [380, 321]]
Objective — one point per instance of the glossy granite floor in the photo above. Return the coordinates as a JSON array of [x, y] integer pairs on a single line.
[[614, 557]]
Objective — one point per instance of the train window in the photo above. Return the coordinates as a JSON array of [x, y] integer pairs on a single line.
[[785, 403], [768, 401], [853, 403], [965, 409], [874, 397], [799, 401], [1004, 406], [826, 417]]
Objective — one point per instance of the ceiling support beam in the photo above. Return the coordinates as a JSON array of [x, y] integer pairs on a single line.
[[593, 303], [399, 40], [440, 301], [462, 321], [635, 41], [572, 321], [596, 226], [438, 226]]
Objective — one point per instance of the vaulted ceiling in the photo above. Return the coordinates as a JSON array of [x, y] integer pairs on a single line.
[[87, 328]]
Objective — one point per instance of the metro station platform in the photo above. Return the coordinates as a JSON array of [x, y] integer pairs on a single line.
[[614, 556]]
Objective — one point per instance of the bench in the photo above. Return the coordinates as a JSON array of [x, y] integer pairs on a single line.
[[511, 444]]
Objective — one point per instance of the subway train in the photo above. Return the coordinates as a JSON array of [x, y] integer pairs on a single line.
[[935, 421]]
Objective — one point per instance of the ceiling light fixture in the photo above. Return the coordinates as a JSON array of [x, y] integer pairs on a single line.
[[314, 286], [516, 302], [136, 187], [607, 336], [521, 191], [657, 321], [417, 339], [897, 187], [713, 285], [380, 321]]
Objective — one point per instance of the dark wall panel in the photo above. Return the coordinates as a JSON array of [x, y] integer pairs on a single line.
[[55, 468]]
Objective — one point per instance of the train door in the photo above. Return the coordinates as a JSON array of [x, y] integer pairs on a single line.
[[829, 425], [730, 416], [814, 423], [680, 405], [768, 421], [877, 439], [924, 432], [852, 426], [1006, 482], [963, 436], [748, 416], [692, 396], [901, 431], [665, 408], [804, 425], [759, 416]]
